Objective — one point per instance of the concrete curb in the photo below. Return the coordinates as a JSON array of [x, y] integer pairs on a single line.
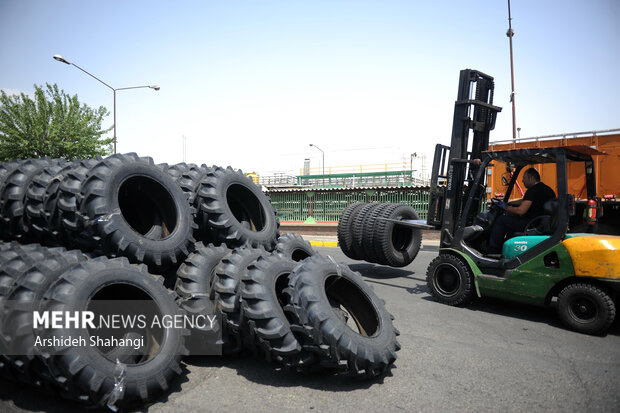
[[426, 245], [324, 243]]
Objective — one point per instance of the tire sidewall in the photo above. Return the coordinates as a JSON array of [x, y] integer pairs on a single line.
[[385, 336], [91, 356], [182, 229], [400, 257], [593, 293], [464, 293], [268, 234]]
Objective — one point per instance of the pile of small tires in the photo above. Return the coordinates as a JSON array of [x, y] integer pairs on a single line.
[[365, 233], [187, 239]]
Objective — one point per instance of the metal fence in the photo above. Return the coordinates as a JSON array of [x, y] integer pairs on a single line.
[[328, 205]]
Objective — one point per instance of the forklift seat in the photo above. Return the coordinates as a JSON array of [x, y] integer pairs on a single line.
[[543, 224]]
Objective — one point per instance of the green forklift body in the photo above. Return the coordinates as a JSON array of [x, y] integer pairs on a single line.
[[530, 282], [518, 245]]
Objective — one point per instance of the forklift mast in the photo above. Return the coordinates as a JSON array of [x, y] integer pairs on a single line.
[[455, 166]]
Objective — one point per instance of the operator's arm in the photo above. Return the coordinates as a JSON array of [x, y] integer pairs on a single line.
[[519, 209]]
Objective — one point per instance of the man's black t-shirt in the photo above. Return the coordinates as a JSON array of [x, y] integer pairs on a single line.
[[538, 194]]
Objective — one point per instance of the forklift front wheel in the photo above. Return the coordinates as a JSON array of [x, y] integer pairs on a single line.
[[586, 308], [450, 280]]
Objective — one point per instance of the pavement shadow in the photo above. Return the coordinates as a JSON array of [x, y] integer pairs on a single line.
[[19, 398], [16, 397], [381, 271], [260, 371], [527, 312]]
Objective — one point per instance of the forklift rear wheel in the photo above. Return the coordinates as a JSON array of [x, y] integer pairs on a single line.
[[586, 308], [450, 280]]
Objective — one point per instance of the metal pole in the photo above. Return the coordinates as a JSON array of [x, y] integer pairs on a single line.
[[511, 33], [65, 61], [114, 120], [125, 88]]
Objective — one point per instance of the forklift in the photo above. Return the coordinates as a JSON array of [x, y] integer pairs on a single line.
[[579, 273]]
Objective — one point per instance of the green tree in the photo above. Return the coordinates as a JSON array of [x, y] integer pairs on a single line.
[[52, 124]]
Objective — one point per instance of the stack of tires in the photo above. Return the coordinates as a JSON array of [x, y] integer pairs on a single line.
[[292, 306], [57, 357], [365, 233], [183, 240]]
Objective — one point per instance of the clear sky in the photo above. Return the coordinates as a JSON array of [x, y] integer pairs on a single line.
[[252, 83]]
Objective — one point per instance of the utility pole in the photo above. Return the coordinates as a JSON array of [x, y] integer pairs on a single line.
[[511, 33]]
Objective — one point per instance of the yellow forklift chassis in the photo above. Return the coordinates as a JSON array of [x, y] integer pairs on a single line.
[[595, 255]]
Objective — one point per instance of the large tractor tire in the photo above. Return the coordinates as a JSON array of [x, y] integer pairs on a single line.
[[370, 233], [70, 223], [263, 303], [237, 209], [227, 282], [294, 247], [194, 285], [15, 260], [358, 229], [42, 217], [12, 201], [43, 267], [450, 280], [106, 374], [397, 245], [176, 170], [345, 229], [342, 315], [586, 308], [136, 210]]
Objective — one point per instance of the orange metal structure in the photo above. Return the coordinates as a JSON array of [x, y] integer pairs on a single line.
[[607, 167]]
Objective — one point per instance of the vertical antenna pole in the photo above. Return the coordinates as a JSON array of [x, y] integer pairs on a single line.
[[511, 33]]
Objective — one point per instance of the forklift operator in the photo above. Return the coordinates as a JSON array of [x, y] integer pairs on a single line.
[[520, 212]]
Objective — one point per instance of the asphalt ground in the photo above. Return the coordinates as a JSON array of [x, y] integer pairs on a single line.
[[490, 356]]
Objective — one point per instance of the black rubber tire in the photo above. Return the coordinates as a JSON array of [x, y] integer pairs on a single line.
[[228, 275], [189, 181], [194, 285], [12, 202], [586, 308], [450, 280], [6, 168], [294, 247], [370, 234], [237, 209], [345, 229], [381, 227], [358, 230], [90, 373], [175, 171], [31, 283], [322, 294], [263, 305], [69, 222], [398, 245], [41, 215], [15, 260], [124, 198]]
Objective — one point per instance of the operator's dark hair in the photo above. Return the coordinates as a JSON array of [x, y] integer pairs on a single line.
[[533, 173]]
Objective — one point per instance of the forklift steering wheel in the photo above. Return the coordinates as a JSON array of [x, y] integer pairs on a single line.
[[495, 202]]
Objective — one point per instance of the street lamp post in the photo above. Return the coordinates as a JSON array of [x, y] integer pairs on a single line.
[[154, 87], [323, 153]]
